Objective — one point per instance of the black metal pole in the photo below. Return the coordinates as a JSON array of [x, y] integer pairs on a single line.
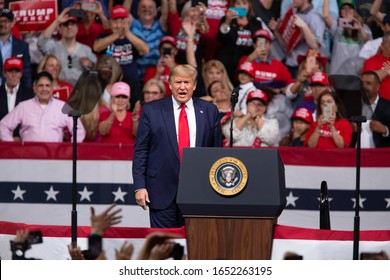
[[356, 225], [233, 101], [231, 128], [74, 182]]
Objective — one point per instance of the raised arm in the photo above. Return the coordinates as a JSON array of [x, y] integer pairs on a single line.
[[374, 11], [164, 15], [326, 14]]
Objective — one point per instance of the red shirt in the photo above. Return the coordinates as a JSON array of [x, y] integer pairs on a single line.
[[376, 63], [342, 126], [88, 36], [272, 73], [150, 72], [62, 90], [120, 132]]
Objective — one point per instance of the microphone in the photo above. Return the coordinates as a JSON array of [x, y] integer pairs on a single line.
[[234, 96]]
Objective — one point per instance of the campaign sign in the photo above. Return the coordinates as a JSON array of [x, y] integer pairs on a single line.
[[290, 34], [33, 16]]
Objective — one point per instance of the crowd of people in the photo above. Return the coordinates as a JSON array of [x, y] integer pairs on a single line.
[[134, 44]]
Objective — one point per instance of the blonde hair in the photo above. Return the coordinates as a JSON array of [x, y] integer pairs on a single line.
[[183, 70], [42, 63], [156, 82], [219, 65]]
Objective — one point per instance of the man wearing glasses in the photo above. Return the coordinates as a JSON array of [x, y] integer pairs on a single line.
[[12, 47], [74, 56]]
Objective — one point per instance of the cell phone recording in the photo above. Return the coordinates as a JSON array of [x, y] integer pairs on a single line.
[[34, 237], [167, 51]]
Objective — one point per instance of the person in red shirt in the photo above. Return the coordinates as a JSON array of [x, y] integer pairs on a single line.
[[51, 64], [161, 71], [89, 28], [116, 126], [330, 130], [268, 71], [380, 63]]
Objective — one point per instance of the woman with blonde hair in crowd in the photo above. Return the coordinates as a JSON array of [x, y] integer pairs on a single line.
[[214, 70], [52, 65], [153, 89], [116, 126]]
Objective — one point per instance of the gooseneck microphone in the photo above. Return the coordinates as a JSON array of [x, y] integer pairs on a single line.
[[233, 101], [234, 97]]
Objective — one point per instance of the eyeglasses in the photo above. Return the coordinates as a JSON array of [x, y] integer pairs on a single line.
[[151, 92], [70, 64], [5, 21]]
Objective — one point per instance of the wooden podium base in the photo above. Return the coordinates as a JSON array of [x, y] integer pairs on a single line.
[[223, 238]]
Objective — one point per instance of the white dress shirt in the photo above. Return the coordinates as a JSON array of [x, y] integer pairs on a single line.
[[190, 110]]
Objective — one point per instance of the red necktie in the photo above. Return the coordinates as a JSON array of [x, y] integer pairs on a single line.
[[184, 130]]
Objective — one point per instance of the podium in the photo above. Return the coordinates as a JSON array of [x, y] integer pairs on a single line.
[[230, 200]]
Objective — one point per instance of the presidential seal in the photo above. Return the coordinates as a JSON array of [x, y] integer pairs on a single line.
[[228, 176]]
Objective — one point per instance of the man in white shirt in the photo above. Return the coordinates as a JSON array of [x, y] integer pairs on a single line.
[[375, 132]]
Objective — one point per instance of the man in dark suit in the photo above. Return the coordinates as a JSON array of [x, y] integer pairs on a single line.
[[157, 156], [12, 92], [13, 47], [376, 110]]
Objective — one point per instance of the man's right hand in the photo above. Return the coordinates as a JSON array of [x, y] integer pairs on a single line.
[[142, 198]]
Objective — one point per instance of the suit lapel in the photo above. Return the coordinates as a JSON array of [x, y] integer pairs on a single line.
[[169, 120], [200, 122]]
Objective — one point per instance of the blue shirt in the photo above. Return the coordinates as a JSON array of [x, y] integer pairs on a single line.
[[152, 38]]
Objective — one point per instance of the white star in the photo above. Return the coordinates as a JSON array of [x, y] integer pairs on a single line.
[[388, 202], [85, 194], [291, 199], [119, 194], [51, 194], [18, 193], [361, 200]]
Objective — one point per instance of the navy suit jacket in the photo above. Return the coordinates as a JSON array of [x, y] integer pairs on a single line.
[[22, 95], [156, 163], [382, 114], [20, 50]]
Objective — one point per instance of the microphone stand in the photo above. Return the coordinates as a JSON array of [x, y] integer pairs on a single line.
[[356, 226], [233, 101], [75, 115]]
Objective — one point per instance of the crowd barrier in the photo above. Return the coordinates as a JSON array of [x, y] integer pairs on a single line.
[[36, 179], [311, 244]]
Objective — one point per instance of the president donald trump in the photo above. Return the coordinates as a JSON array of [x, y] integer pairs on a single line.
[[166, 127]]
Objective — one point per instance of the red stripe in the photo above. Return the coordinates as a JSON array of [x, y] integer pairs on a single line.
[[98, 151], [85, 231], [287, 232]]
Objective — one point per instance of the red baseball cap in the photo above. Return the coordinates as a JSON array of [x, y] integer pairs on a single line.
[[118, 11], [168, 39], [303, 114], [319, 78], [257, 94], [263, 33], [317, 54], [13, 63], [248, 68]]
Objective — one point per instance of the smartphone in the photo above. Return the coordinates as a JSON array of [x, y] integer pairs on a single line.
[[177, 252], [94, 246], [310, 63], [346, 23], [89, 6], [34, 237], [261, 43], [167, 51], [241, 12], [327, 111], [77, 13]]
